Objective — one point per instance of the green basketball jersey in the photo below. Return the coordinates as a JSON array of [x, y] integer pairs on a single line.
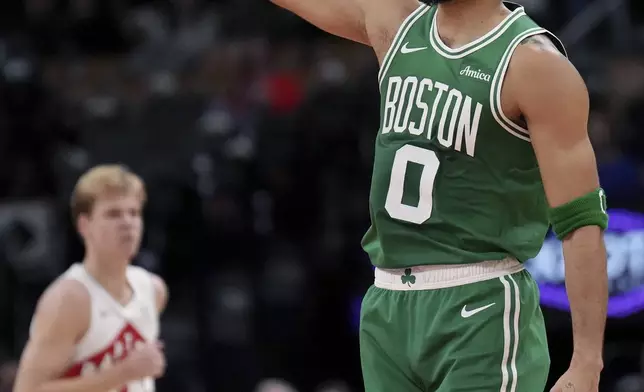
[[454, 179]]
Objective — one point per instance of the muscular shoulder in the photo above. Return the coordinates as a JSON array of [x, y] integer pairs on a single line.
[[541, 79], [539, 42], [538, 57], [63, 309], [64, 294]]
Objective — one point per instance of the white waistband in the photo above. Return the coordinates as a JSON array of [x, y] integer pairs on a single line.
[[428, 277]]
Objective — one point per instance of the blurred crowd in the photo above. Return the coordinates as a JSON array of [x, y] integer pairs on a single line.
[[254, 133]]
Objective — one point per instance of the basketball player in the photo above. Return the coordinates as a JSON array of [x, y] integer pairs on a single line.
[[482, 145], [96, 327]]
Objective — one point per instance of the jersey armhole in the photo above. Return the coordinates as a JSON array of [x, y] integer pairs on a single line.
[[403, 29], [82, 341], [499, 78]]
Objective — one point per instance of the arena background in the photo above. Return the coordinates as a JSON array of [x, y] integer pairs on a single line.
[[254, 132]]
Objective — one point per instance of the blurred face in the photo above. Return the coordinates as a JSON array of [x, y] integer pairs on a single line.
[[113, 229]]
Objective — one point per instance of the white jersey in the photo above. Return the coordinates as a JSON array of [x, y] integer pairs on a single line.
[[114, 329]]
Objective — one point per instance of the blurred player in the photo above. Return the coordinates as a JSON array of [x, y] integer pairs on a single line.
[[95, 328], [482, 145]]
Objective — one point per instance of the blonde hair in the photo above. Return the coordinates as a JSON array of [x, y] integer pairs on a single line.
[[104, 180]]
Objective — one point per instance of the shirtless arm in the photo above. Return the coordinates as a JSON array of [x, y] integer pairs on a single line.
[[61, 318], [343, 18], [553, 98], [371, 22]]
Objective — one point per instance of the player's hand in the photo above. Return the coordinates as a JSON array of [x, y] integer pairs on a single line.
[[146, 361], [579, 378]]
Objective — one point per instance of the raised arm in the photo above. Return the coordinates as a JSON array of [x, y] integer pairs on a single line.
[[343, 18], [371, 22], [553, 98]]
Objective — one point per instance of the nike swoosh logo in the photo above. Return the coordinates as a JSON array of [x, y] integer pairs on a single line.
[[469, 313], [405, 49]]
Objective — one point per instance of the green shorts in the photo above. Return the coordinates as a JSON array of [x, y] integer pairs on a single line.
[[475, 328]]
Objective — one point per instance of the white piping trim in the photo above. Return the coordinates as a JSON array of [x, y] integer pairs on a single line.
[[517, 312], [497, 86], [452, 54], [507, 59], [505, 377]]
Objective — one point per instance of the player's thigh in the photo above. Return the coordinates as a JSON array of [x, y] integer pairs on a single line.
[[493, 338], [383, 346]]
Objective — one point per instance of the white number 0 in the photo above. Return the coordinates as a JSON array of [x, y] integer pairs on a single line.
[[394, 205]]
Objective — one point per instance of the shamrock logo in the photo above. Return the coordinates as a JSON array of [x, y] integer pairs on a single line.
[[602, 200], [408, 277]]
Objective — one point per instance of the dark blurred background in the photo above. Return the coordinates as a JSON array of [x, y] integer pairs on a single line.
[[254, 132]]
